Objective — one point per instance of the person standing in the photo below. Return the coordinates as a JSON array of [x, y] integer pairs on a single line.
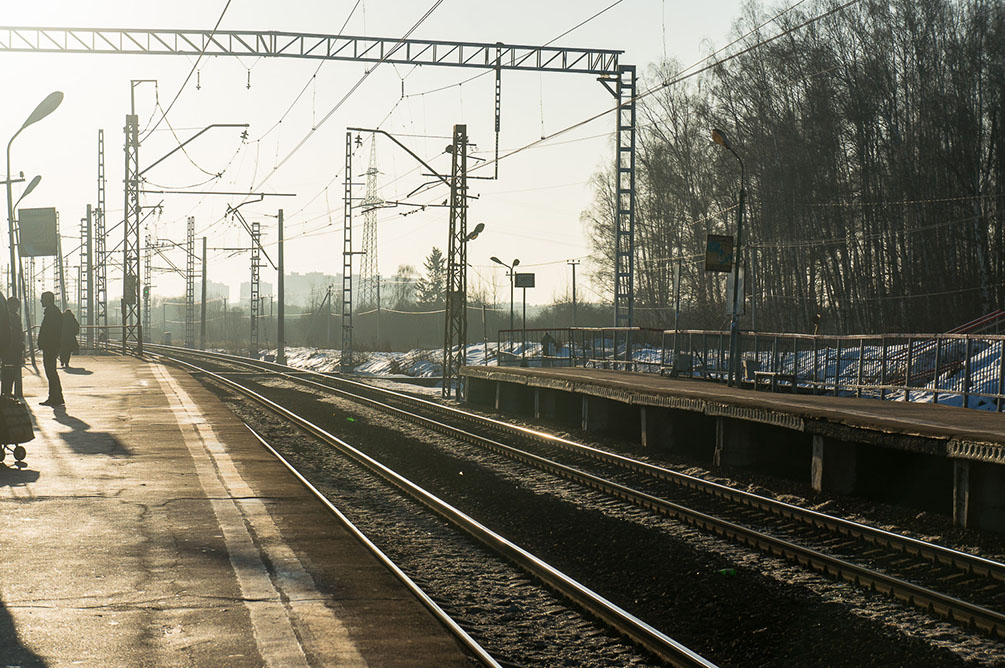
[[12, 354], [50, 337], [68, 340]]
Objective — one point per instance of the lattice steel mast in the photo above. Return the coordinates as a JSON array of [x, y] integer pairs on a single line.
[[190, 283], [256, 266], [132, 328], [85, 288], [148, 255], [346, 352], [100, 254], [275, 44], [456, 325], [371, 203]]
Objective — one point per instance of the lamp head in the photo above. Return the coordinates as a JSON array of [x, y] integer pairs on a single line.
[[516, 262], [474, 234], [44, 108], [497, 260], [719, 138], [31, 185]]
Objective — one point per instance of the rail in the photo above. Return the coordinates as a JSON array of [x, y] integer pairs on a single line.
[[957, 369]]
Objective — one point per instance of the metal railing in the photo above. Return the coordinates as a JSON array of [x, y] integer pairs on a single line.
[[958, 369]]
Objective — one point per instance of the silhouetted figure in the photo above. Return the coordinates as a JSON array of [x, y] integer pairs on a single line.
[[68, 344], [12, 354], [548, 348], [50, 337]]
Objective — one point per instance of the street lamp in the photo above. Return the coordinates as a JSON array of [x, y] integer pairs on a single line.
[[46, 107], [719, 138], [511, 268]]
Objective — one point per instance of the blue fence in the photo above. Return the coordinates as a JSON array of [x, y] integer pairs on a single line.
[[955, 369]]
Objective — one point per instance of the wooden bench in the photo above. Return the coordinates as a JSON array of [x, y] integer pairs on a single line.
[[772, 378]]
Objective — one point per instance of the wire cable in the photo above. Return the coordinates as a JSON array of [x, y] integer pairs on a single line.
[[212, 34], [349, 93]]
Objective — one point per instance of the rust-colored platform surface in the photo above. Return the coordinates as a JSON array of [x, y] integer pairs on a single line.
[[150, 528], [960, 432]]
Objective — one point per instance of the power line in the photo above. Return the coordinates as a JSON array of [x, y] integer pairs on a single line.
[[209, 41], [352, 90], [309, 81], [671, 82]]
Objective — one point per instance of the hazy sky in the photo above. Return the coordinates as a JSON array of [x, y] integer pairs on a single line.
[[531, 213]]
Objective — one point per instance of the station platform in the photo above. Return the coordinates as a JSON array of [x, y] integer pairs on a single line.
[[843, 445], [151, 528]]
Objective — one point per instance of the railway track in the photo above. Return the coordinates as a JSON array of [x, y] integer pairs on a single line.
[[965, 588], [624, 623]]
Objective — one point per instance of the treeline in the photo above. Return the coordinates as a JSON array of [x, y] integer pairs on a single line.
[[875, 164]]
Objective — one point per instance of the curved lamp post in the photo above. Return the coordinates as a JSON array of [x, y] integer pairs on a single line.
[[45, 107], [511, 278], [720, 138]]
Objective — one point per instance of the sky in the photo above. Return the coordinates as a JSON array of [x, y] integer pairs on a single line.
[[531, 213]]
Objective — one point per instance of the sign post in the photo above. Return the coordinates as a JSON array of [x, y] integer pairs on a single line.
[[524, 281]]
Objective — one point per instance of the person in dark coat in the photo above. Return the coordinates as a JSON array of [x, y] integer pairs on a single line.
[[50, 337], [68, 342], [12, 354]]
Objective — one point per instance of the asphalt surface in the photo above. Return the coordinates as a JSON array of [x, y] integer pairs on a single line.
[[150, 528]]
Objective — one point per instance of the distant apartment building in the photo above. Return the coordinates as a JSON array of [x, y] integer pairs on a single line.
[[214, 291], [265, 290]]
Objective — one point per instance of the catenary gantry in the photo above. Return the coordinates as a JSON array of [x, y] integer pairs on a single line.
[[618, 78]]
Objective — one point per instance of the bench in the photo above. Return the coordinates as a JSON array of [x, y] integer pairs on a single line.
[[772, 378]]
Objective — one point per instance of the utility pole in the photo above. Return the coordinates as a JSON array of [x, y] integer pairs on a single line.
[[60, 271], [148, 256], [87, 278], [281, 287], [202, 324], [328, 318], [573, 263]]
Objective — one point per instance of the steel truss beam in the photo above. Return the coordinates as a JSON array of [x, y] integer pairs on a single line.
[[275, 44]]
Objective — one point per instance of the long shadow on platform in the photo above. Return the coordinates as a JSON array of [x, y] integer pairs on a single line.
[[77, 371], [11, 476], [85, 441], [12, 652]]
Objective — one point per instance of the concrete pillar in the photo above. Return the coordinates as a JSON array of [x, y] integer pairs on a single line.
[[987, 496], [595, 413], [733, 445], [833, 468], [646, 437], [546, 405], [498, 396], [537, 403], [961, 493]]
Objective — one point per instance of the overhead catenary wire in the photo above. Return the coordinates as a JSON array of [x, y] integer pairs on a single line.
[[394, 49], [191, 71]]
